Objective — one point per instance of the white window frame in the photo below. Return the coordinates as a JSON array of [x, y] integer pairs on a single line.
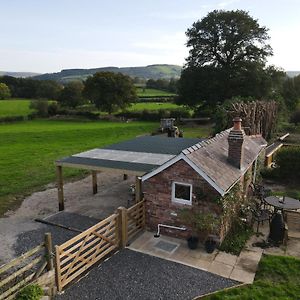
[[179, 200]]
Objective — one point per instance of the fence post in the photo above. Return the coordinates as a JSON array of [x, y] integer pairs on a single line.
[[48, 246], [138, 189], [57, 269], [122, 212]]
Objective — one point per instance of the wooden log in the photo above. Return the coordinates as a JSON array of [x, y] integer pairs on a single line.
[[94, 179], [60, 188], [58, 225], [49, 248]]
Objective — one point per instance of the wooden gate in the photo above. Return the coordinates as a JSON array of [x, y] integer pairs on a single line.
[[79, 253], [135, 219]]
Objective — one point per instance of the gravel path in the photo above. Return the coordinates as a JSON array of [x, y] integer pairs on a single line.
[[29, 239], [133, 275]]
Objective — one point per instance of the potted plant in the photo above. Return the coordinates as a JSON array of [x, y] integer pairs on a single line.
[[189, 218], [201, 223]]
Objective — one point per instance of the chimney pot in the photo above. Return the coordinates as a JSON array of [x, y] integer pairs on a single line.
[[237, 123]]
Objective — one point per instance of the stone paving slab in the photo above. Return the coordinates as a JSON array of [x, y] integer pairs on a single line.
[[240, 268]]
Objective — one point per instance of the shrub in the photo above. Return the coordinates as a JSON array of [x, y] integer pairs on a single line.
[[295, 117], [288, 161], [53, 109], [40, 106], [236, 238], [30, 292]]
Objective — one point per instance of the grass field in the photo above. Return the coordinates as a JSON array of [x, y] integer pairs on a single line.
[[277, 278], [152, 106], [28, 150], [144, 92], [14, 107]]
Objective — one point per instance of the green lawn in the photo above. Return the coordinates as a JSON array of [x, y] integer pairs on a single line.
[[144, 92], [14, 107], [28, 150], [277, 278], [152, 106]]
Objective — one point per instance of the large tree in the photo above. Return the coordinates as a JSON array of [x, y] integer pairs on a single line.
[[71, 94], [227, 56], [110, 91]]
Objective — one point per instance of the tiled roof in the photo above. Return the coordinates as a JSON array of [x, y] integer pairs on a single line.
[[211, 157]]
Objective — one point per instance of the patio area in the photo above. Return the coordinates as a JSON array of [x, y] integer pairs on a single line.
[[241, 268]]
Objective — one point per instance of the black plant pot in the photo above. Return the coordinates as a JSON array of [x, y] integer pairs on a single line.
[[193, 242], [210, 246]]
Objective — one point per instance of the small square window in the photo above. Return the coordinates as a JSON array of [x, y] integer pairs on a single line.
[[182, 193]]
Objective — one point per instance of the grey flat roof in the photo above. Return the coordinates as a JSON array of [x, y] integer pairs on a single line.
[[155, 144], [141, 154]]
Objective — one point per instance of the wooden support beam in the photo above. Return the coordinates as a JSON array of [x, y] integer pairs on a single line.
[[95, 186], [48, 246], [138, 189], [125, 177], [60, 188], [122, 225]]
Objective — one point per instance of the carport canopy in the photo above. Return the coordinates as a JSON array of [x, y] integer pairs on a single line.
[[137, 157]]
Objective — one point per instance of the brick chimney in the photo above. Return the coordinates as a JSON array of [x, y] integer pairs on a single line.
[[235, 143]]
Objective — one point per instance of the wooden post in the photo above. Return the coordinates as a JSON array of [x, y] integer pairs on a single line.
[[138, 189], [60, 188], [57, 269], [123, 230], [95, 186], [125, 177], [48, 246]]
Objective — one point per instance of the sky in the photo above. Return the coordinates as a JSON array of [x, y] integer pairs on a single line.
[[48, 36]]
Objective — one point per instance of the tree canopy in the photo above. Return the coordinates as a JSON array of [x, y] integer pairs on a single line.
[[71, 94], [4, 91], [110, 91], [227, 56], [227, 39]]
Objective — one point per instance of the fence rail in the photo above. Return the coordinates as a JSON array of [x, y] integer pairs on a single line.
[[25, 269]]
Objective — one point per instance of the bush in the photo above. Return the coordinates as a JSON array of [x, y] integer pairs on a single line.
[[40, 106], [236, 238], [30, 292], [295, 117], [288, 162], [53, 109]]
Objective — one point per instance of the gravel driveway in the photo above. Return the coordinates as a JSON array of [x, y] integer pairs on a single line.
[[133, 275]]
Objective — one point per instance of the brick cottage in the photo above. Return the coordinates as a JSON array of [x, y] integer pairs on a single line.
[[203, 176]]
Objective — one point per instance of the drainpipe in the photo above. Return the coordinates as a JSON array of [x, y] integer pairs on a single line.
[[167, 226]]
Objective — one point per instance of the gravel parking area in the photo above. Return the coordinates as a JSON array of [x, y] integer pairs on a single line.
[[29, 239], [133, 275]]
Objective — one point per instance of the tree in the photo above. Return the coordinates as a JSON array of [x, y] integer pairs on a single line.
[[48, 89], [227, 39], [71, 94], [110, 91], [227, 59], [4, 91]]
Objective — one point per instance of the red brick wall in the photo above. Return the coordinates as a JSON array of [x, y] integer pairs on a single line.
[[158, 197]]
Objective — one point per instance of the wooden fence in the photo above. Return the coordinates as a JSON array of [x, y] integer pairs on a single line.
[[82, 251], [25, 269]]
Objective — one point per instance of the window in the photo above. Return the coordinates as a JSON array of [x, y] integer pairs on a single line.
[[182, 193]]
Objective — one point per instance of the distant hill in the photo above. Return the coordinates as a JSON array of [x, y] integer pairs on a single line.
[[292, 73], [18, 74], [148, 72]]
